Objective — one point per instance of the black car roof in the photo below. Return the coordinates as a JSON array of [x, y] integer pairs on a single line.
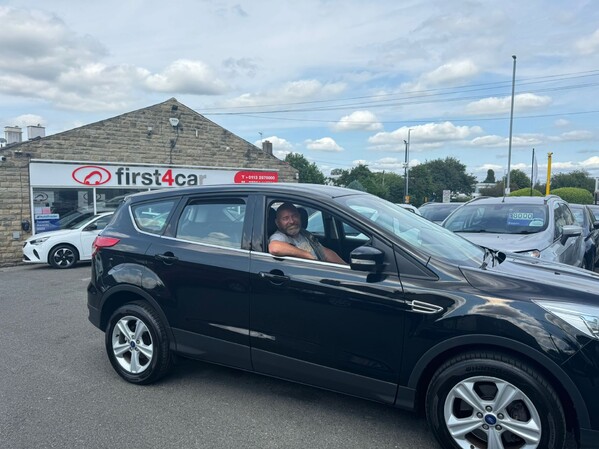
[[306, 190]]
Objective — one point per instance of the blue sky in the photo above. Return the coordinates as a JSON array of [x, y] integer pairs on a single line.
[[340, 82]]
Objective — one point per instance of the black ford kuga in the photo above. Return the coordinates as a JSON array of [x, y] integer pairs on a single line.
[[497, 350]]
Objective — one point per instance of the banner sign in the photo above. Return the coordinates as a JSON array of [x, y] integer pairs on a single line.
[[109, 175]]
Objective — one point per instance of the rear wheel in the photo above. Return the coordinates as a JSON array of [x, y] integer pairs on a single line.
[[493, 401], [137, 344]]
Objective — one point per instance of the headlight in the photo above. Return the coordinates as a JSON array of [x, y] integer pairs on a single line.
[[38, 241], [583, 317], [532, 253]]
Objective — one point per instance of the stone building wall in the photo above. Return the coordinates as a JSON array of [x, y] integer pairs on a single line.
[[145, 136]]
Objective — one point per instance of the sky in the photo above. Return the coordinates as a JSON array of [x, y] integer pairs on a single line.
[[340, 82]]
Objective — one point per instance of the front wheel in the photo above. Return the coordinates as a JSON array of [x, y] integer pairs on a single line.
[[493, 401], [137, 344]]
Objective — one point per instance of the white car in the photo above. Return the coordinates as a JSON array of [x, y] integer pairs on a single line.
[[63, 248]]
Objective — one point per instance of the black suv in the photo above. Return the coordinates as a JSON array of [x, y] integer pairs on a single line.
[[498, 350]]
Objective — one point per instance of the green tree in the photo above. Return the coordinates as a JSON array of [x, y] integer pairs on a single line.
[[496, 190], [576, 178], [308, 171], [372, 182], [421, 186], [449, 174], [490, 176], [518, 180]]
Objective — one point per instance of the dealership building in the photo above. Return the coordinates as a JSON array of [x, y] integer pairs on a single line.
[[48, 182]]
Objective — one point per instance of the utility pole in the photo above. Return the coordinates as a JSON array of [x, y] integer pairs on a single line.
[[509, 156], [407, 168]]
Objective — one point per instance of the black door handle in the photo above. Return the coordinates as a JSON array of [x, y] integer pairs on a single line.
[[274, 278], [167, 258]]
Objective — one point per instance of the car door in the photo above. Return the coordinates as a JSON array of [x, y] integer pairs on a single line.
[[325, 324], [203, 266], [89, 233]]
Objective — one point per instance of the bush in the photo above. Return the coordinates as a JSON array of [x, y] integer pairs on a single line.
[[526, 192], [574, 195]]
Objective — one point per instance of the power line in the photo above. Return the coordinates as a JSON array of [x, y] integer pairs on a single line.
[[385, 99]]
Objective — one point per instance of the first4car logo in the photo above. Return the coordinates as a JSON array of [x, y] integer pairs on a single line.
[[91, 175]]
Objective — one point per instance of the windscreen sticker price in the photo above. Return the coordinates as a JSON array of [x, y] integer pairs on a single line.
[[520, 218]]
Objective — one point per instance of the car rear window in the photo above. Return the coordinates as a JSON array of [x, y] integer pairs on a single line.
[[152, 217]]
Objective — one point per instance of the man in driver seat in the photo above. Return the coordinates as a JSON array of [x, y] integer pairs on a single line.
[[292, 240]]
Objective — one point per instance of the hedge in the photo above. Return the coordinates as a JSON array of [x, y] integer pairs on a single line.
[[574, 195]]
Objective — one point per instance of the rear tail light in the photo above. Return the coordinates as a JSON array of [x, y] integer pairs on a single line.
[[103, 242]]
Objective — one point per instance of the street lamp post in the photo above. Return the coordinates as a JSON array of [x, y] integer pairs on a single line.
[[407, 168], [509, 156]]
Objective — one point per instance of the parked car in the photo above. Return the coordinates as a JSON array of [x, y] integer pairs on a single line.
[[590, 232], [541, 227], [65, 247], [409, 207], [498, 350], [437, 212], [595, 210]]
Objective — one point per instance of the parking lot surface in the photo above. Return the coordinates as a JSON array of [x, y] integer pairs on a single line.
[[58, 389]]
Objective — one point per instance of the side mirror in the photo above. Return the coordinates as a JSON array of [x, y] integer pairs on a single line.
[[570, 231], [596, 224], [366, 258], [91, 227]]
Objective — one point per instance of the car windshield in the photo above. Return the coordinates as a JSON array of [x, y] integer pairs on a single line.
[[499, 218], [438, 211], [422, 235]]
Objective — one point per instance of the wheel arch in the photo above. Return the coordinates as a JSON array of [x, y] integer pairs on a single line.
[[70, 245], [124, 294], [574, 407]]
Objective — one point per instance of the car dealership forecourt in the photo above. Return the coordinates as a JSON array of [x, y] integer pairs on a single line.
[[91, 168]]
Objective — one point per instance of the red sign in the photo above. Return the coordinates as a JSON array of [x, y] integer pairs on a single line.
[[91, 175], [242, 177]]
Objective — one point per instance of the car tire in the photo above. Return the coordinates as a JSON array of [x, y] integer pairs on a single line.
[[137, 344], [63, 256], [486, 395]]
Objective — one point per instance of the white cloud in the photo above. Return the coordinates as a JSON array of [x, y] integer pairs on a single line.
[[185, 76], [279, 145], [422, 136], [561, 123], [359, 120], [324, 144], [590, 163], [448, 74], [28, 120], [294, 91], [576, 135], [496, 105], [589, 44]]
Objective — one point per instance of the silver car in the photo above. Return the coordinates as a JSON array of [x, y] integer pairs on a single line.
[[542, 227]]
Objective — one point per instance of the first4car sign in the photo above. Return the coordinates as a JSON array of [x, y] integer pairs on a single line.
[[111, 175]]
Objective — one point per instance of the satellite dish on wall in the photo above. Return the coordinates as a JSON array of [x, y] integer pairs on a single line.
[[174, 121]]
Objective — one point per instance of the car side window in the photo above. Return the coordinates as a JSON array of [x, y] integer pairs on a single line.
[[152, 217], [214, 222]]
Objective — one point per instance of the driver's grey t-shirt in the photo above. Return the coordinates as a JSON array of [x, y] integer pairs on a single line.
[[299, 241]]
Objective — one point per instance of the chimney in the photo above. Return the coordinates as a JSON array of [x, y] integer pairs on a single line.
[[267, 147], [33, 132], [13, 134]]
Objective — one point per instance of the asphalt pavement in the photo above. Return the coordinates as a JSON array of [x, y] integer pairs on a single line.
[[58, 390]]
